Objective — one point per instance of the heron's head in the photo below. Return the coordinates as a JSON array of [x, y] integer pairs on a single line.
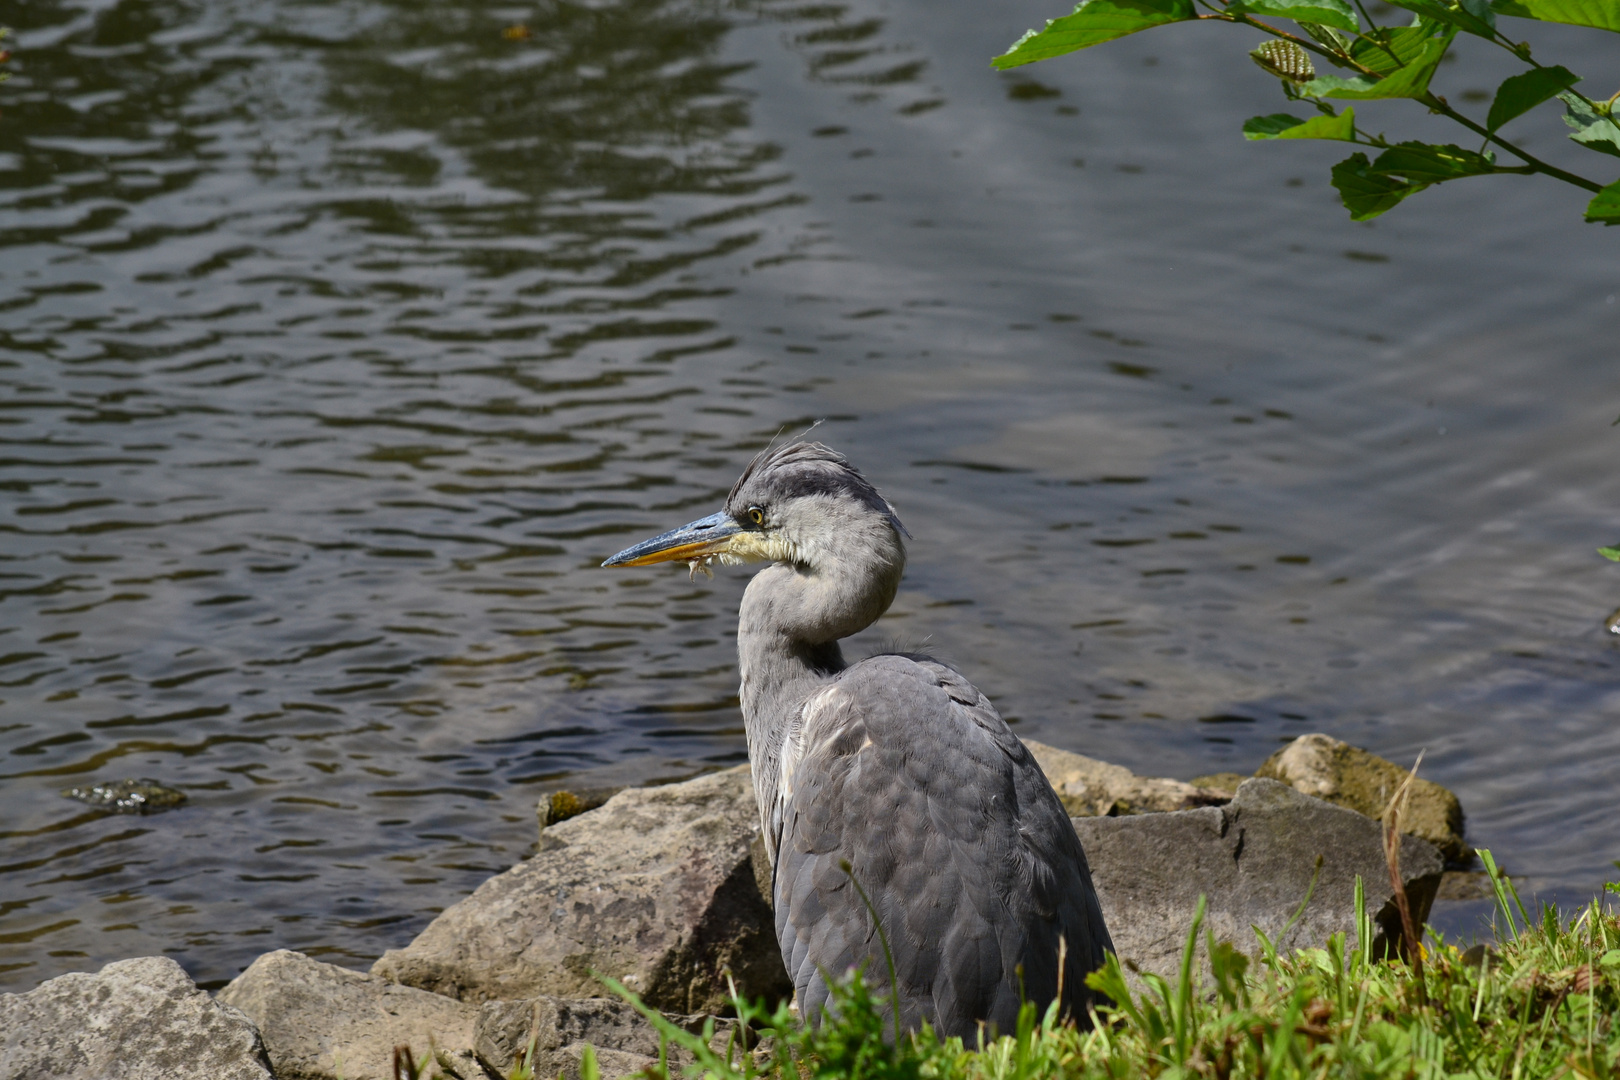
[[800, 504]]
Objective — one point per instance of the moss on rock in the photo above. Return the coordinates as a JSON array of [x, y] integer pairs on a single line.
[[1351, 777], [1221, 781]]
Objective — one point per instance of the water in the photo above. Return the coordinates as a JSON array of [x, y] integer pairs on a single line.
[[339, 342]]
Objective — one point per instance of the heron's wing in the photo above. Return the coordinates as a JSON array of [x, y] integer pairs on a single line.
[[907, 773]]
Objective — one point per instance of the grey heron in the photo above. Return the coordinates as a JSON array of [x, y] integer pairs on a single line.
[[893, 771]]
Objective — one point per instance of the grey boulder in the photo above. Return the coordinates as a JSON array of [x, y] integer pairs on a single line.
[[140, 1019], [665, 888], [1088, 787], [558, 1030], [660, 888], [1253, 860], [321, 1022]]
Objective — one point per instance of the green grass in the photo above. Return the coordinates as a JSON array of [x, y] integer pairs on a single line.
[[1540, 1002]]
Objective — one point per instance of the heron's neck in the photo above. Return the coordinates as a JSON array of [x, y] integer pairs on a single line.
[[787, 647], [779, 666]]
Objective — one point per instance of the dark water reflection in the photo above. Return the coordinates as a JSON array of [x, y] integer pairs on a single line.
[[339, 342]]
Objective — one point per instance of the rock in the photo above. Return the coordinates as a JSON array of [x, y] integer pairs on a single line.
[[1221, 781], [141, 1019], [1091, 788], [128, 796], [564, 1064], [1465, 885], [1324, 767], [1253, 860], [321, 1022], [560, 1028], [659, 888], [666, 888]]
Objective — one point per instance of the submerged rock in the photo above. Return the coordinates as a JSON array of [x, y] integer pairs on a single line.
[[1253, 859], [1465, 885], [321, 1022], [128, 796], [1091, 788], [559, 1028], [663, 888], [140, 1019], [1326, 768]]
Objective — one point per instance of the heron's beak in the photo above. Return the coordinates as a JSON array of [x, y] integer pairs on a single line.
[[706, 536]]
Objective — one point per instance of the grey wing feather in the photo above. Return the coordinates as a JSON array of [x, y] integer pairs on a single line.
[[907, 772]]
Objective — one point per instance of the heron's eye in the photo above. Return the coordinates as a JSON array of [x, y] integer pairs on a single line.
[[756, 515]]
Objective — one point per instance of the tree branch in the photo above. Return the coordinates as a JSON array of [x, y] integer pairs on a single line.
[[1440, 106]]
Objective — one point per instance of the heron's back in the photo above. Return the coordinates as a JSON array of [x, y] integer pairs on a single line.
[[902, 768]]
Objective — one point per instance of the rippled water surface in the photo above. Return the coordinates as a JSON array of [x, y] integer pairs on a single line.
[[340, 341]]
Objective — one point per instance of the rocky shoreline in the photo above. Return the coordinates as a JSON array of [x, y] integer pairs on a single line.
[[666, 889]]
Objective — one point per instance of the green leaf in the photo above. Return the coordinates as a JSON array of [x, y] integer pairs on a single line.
[[1385, 50], [1613, 555], [1092, 23], [1473, 16], [1360, 88], [1425, 163], [1283, 126], [1270, 127], [1603, 14], [1411, 81], [1481, 10], [1521, 93], [1335, 13], [1592, 129], [1367, 194], [1327, 37], [1605, 207], [1369, 189]]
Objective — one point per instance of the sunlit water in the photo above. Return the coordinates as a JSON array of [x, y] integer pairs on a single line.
[[340, 342]]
